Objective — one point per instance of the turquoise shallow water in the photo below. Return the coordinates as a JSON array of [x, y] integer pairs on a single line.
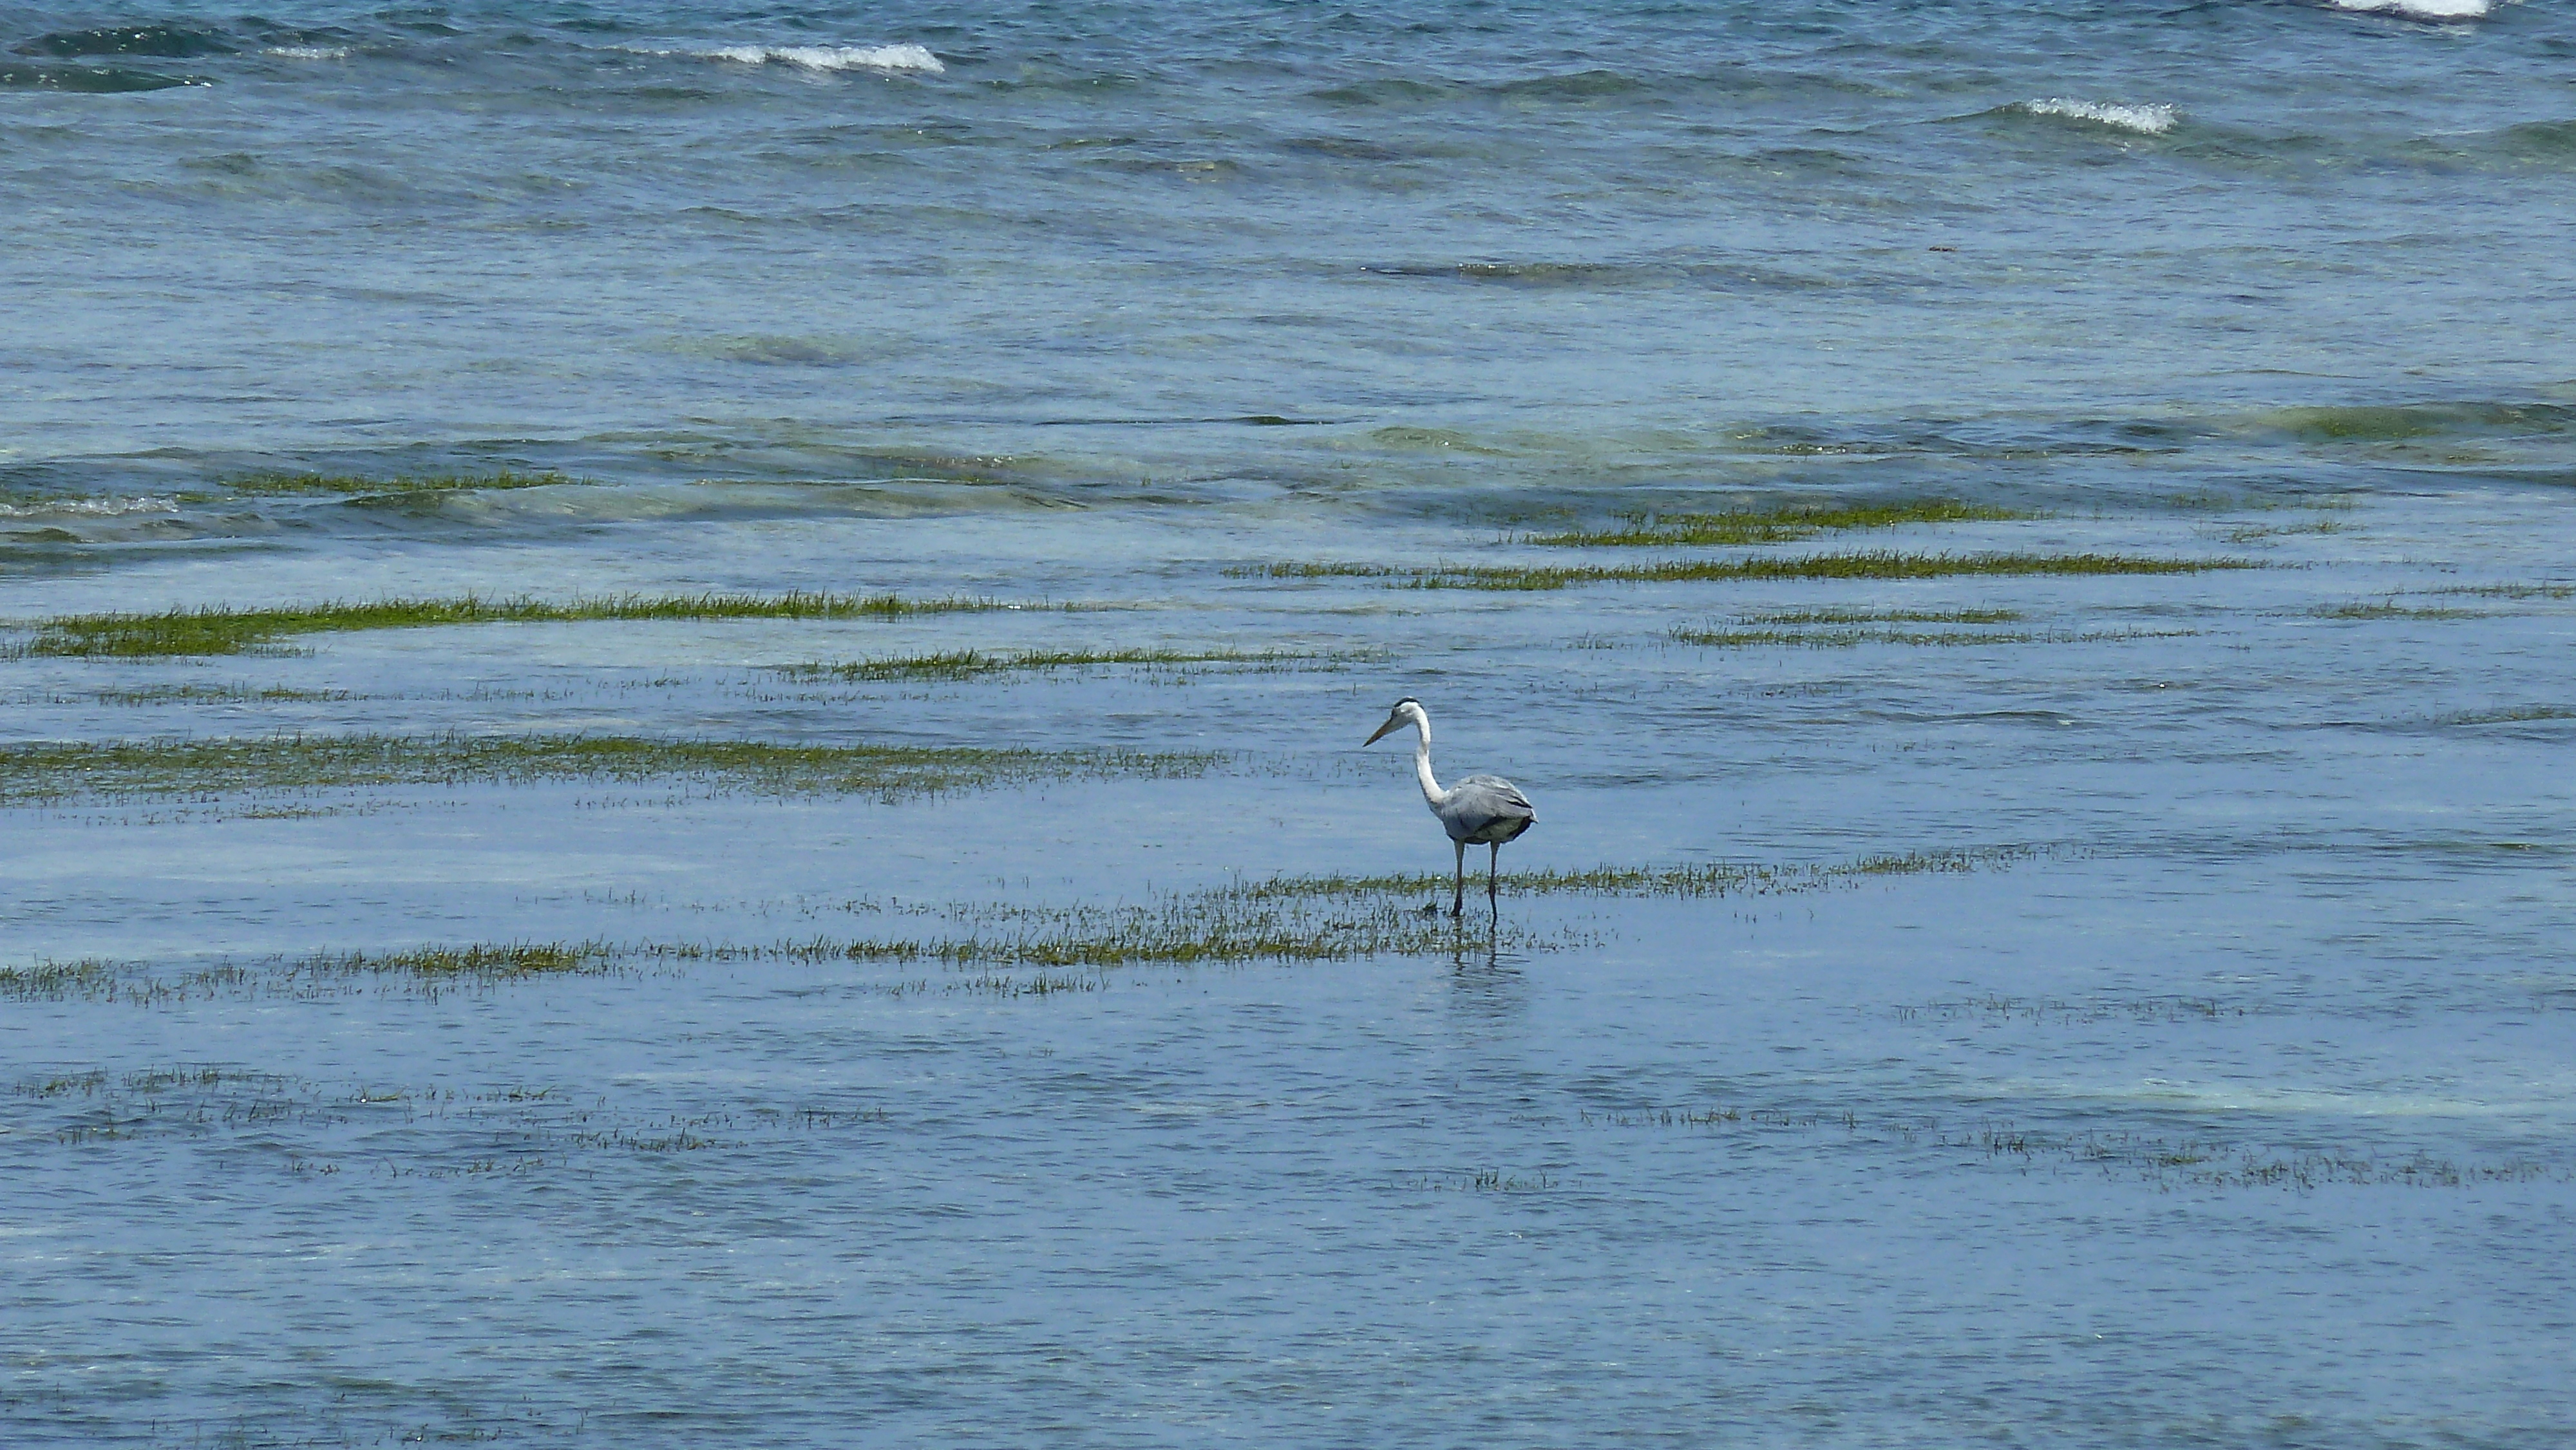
[[2193, 1067]]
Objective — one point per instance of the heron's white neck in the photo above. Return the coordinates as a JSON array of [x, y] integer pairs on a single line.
[[1431, 790]]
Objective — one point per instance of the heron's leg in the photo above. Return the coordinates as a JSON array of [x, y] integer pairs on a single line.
[[1493, 868], [1458, 892]]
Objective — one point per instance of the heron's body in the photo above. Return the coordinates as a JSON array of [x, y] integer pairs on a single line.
[[1480, 810]]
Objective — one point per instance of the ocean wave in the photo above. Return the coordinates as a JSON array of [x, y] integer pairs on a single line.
[[2405, 422], [2150, 120], [166, 42], [2420, 9], [901, 57], [308, 52], [90, 80]]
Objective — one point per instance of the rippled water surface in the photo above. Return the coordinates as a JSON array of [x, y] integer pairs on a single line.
[[2020, 550]]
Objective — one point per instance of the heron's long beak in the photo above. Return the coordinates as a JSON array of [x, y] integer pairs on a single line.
[[1392, 721]]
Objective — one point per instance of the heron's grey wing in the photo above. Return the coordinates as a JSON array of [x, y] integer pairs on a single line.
[[1497, 795], [1486, 805]]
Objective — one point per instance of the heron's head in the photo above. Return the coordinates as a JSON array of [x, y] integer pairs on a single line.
[[1407, 711]]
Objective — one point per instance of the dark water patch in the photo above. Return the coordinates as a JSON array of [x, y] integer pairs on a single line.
[[2510, 715], [1731, 87], [1586, 85], [216, 630], [2553, 141], [43, 773], [346, 483], [2523, 149], [166, 42], [230, 163], [1185, 168], [1540, 275], [780, 351], [1034, 84], [1415, 439], [2201, 1160], [1343, 148], [2405, 422], [2541, 146], [1388, 91], [90, 80]]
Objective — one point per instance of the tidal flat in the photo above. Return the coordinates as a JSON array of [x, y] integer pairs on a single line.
[[1040, 927], [682, 696]]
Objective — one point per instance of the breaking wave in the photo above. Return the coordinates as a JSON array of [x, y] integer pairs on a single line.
[[90, 507], [2420, 9], [2149, 120], [905, 57]]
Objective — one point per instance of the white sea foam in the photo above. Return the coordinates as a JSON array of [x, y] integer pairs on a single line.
[[90, 507], [309, 52], [2153, 120], [2421, 9], [905, 57]]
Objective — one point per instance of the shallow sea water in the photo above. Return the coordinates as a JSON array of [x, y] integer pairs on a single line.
[[2143, 1020]]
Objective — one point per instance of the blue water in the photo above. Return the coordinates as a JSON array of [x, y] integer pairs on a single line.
[[2227, 1096]]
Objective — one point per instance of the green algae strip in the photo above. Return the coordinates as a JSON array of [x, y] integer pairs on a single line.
[[971, 664], [1798, 568], [207, 768], [1890, 616], [486, 960], [1775, 526], [1288, 919], [1309, 918], [217, 630], [1849, 638]]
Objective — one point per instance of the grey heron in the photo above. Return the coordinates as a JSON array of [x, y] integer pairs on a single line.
[[1480, 810]]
